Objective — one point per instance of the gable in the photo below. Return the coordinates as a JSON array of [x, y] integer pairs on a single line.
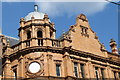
[[84, 38]]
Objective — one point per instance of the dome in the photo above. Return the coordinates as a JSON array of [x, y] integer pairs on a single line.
[[35, 14]]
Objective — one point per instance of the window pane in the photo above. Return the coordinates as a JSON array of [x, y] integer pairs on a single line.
[[76, 69], [119, 74], [39, 34], [115, 75], [58, 69], [28, 34], [82, 70], [102, 73], [15, 74], [96, 72]]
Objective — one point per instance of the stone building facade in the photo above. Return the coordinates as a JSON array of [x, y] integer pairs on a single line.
[[77, 54]]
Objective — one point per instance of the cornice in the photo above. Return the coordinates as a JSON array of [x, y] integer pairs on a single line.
[[62, 51], [37, 24]]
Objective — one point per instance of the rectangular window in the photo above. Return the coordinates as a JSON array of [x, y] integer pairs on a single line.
[[76, 69], [96, 72], [58, 69], [2, 75], [119, 74], [82, 70], [15, 74], [102, 73], [115, 77]]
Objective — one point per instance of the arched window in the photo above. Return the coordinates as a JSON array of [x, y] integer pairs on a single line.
[[39, 34], [28, 34]]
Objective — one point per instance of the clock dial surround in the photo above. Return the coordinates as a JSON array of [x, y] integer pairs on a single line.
[[34, 67]]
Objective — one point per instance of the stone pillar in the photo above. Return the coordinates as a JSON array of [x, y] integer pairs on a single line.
[[45, 67], [21, 38], [47, 29], [33, 28], [90, 69], [51, 67], [106, 73], [65, 43], [22, 21], [7, 70], [21, 67], [109, 72], [67, 65], [48, 41], [53, 35], [53, 26], [86, 70]]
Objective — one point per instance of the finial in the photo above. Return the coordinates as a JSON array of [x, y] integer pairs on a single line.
[[36, 8], [112, 40]]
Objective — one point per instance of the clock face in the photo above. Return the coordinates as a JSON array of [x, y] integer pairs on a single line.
[[34, 67]]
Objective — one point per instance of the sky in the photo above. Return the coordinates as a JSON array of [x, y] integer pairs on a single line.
[[102, 16]]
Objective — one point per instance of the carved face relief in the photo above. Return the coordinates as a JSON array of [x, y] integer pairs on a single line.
[[34, 67]]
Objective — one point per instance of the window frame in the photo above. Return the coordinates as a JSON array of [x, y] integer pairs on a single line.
[[82, 69], [58, 67], [76, 69]]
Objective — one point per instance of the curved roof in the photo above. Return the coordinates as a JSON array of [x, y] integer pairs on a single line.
[[35, 14]]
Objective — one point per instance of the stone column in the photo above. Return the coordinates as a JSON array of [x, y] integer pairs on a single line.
[[65, 43], [21, 32], [86, 73], [48, 36], [106, 73], [67, 65], [109, 72], [21, 67], [53, 35], [22, 38], [34, 35], [47, 29], [51, 67], [90, 72], [7, 70], [45, 67]]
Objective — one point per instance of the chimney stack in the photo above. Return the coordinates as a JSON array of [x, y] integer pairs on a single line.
[[113, 46]]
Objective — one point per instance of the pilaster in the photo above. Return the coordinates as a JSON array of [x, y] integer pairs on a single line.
[[21, 67], [7, 70], [51, 67], [67, 65]]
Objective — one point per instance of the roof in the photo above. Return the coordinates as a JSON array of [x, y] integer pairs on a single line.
[[11, 40], [62, 36], [36, 14]]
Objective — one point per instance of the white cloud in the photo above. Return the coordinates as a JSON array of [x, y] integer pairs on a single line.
[[17, 0], [74, 0], [61, 8]]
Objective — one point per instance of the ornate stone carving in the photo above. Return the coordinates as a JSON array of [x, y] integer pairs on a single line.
[[30, 60]]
